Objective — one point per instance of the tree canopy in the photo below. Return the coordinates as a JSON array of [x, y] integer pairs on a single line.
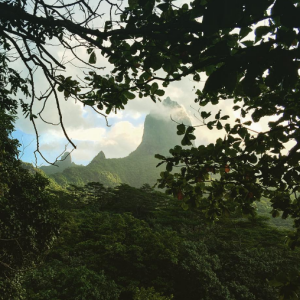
[[127, 243], [28, 219], [248, 49]]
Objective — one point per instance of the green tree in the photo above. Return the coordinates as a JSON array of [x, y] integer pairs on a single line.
[[148, 38], [57, 281], [149, 294], [28, 220]]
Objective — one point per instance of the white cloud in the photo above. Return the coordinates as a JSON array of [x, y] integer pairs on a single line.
[[118, 141], [87, 134]]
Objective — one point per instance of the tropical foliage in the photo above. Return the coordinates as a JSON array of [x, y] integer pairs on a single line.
[[249, 51], [28, 219], [127, 243]]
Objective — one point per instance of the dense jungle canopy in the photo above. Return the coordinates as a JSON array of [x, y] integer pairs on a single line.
[[248, 49], [248, 52]]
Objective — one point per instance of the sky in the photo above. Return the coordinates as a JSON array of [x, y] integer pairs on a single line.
[[88, 130]]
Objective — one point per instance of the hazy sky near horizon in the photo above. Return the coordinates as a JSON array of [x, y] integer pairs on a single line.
[[88, 130]]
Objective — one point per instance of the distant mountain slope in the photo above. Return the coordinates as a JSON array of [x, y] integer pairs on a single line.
[[138, 167]]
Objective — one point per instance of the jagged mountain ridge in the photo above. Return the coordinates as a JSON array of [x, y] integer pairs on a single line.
[[139, 167]]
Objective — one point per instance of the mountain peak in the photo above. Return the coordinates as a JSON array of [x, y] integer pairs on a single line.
[[160, 131], [99, 157], [170, 103], [63, 163], [66, 158]]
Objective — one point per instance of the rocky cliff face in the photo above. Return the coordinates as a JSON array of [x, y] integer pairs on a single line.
[[62, 164], [160, 129], [160, 135], [66, 160]]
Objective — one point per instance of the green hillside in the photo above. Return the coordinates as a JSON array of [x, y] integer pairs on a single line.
[[133, 170]]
